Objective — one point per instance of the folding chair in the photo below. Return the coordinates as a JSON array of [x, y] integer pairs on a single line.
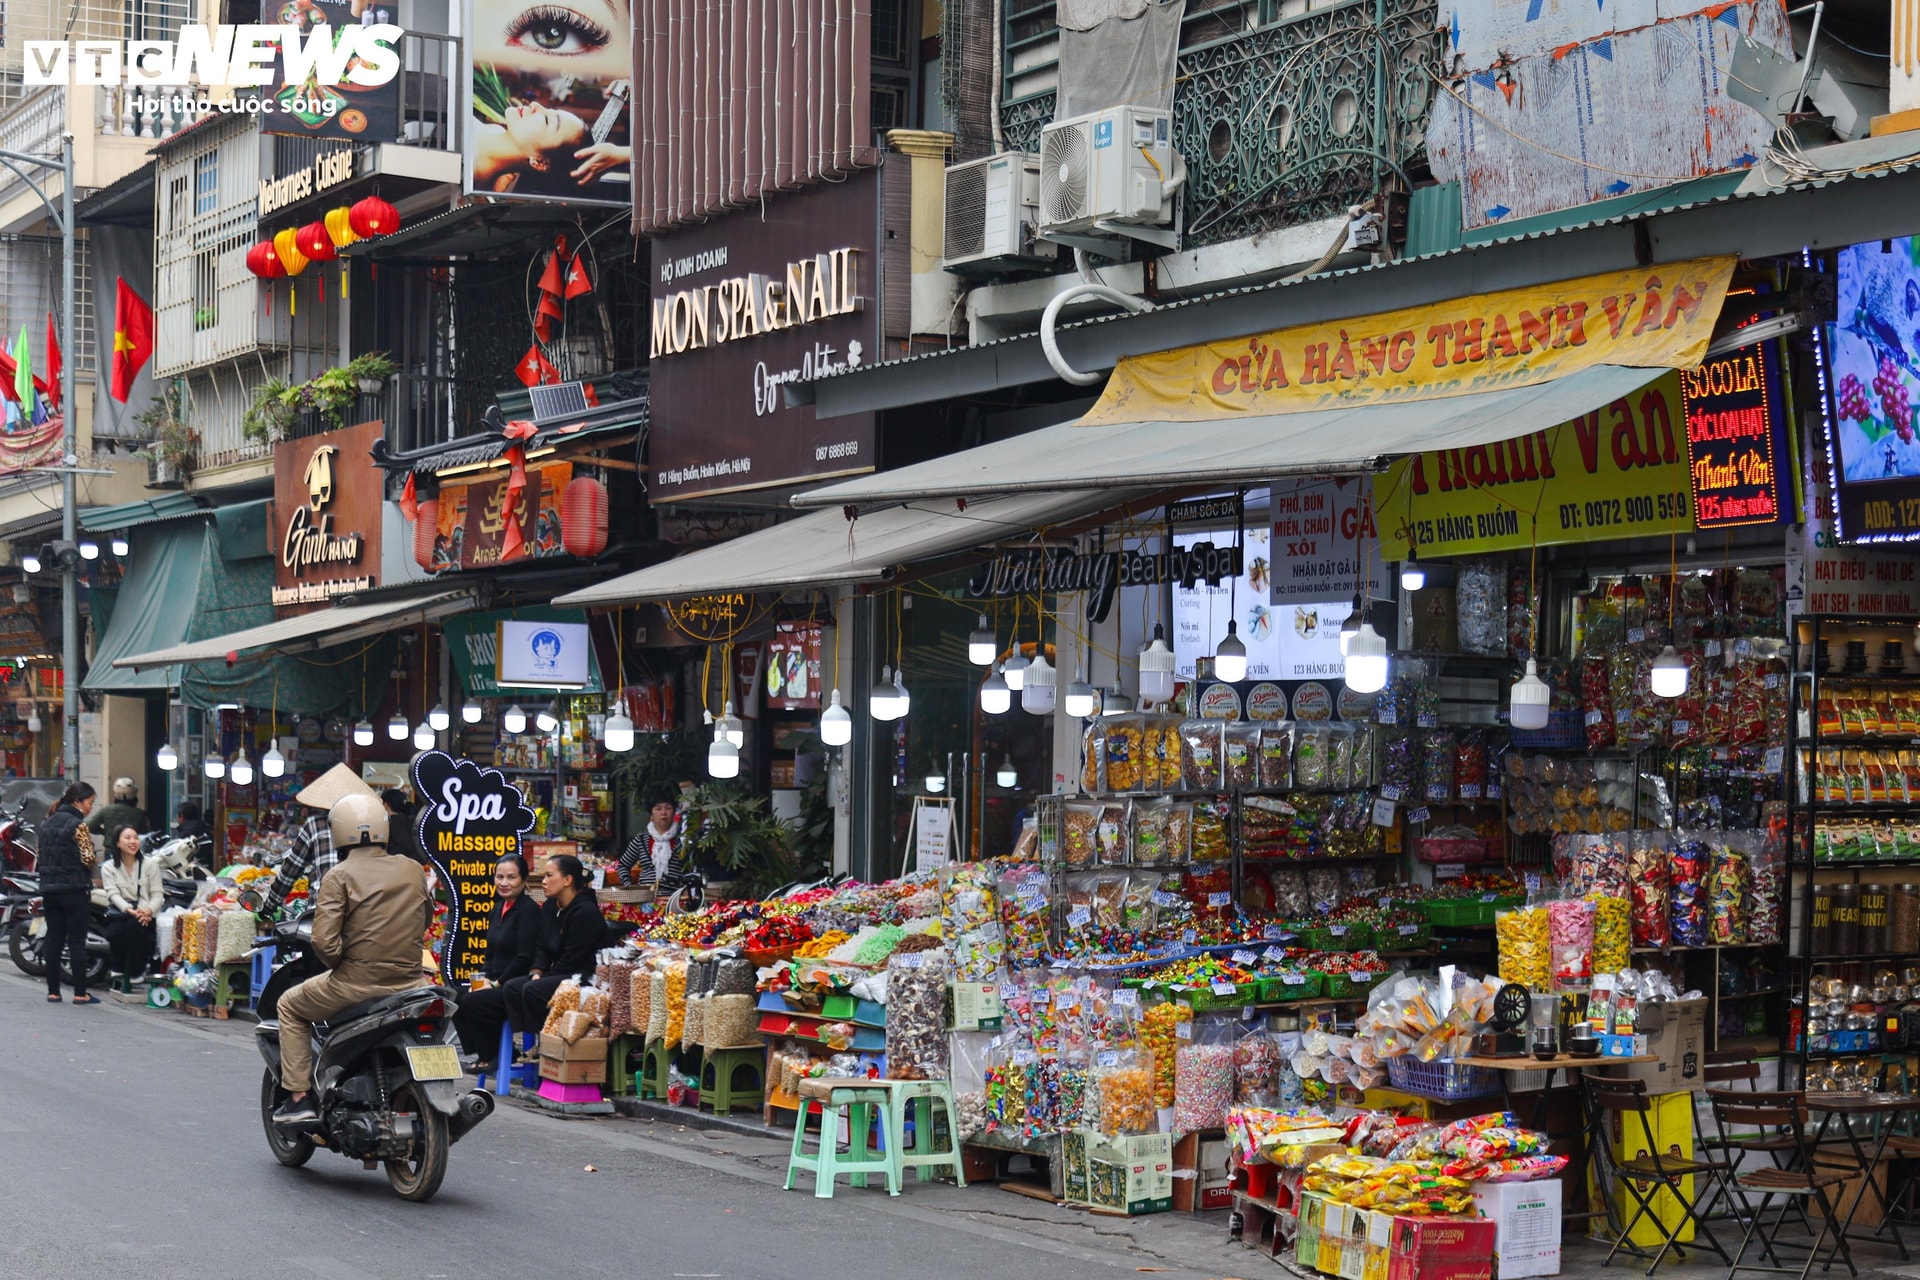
[[1623, 1098], [1726, 1150], [1801, 1181], [1902, 1200]]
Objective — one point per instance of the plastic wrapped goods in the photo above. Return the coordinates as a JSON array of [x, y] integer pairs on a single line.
[[916, 1017]]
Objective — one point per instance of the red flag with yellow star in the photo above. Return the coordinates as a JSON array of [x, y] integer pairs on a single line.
[[132, 339]]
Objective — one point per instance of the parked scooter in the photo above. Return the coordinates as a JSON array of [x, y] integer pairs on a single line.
[[26, 941], [386, 1077], [15, 853], [17, 891]]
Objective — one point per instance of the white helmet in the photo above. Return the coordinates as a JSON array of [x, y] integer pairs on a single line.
[[357, 821], [125, 792]]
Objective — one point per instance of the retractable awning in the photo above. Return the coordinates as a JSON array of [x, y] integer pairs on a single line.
[[1239, 450], [826, 547], [337, 625]]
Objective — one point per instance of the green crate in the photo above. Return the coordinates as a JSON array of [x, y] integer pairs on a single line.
[[1343, 986], [1406, 937], [1277, 990], [1459, 912], [1206, 999], [1356, 937]]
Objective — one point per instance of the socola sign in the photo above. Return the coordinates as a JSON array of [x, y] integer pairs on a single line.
[[1100, 573], [470, 818]]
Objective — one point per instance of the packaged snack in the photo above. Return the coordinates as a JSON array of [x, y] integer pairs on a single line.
[[1276, 755], [1080, 841], [1200, 757], [1150, 822], [1210, 817], [1240, 745], [1179, 832], [1093, 749], [1340, 756], [1312, 766], [1125, 752], [1112, 847]]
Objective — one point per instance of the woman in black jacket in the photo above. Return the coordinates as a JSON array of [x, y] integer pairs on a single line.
[[571, 933], [66, 866], [513, 934]]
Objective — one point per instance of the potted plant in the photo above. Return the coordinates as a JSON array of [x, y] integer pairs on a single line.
[[739, 835], [170, 455], [371, 371], [272, 412]]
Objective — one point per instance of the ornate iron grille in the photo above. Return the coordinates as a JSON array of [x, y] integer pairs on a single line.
[[1292, 121]]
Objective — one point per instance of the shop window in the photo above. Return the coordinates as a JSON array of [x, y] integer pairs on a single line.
[[206, 183]]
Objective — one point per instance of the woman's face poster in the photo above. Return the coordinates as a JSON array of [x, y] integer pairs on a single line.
[[551, 116]]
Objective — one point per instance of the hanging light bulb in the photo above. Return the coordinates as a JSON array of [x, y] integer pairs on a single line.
[[167, 758], [1037, 691], [1230, 659], [214, 766], [723, 758], [902, 700], [1078, 699], [472, 712], [981, 646], [89, 550], [1015, 669], [514, 720], [30, 561], [363, 734], [730, 725], [1351, 627], [240, 773], [836, 726], [1668, 676], [1528, 702], [119, 545], [1113, 702], [880, 699], [423, 736], [1367, 660], [1006, 776], [1156, 668], [995, 697], [33, 720], [1412, 576], [398, 728], [547, 718], [936, 782], [273, 764], [439, 718], [616, 731]]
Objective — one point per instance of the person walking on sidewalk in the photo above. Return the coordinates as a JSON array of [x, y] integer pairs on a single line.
[[67, 859], [368, 917]]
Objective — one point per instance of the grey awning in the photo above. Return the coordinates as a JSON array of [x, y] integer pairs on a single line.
[[315, 630], [1071, 457]]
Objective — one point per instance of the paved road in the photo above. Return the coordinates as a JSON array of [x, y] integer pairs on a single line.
[[131, 1147]]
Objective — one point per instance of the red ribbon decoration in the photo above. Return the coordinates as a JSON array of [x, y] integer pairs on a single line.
[[512, 541]]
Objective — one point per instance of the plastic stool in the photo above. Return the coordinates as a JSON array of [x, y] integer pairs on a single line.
[[622, 1080], [263, 955], [656, 1065], [231, 982], [506, 1073], [916, 1099], [721, 1070], [858, 1100]]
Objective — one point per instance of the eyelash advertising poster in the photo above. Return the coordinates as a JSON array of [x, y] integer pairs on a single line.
[[550, 104]]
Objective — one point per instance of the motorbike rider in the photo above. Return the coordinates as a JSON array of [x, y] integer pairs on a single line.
[[368, 918], [123, 809]]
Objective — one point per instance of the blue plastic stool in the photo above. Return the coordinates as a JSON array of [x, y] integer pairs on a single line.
[[262, 968], [505, 1074]]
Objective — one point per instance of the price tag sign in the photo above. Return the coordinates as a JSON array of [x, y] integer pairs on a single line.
[[1383, 813], [1419, 815], [1337, 930], [1222, 987], [1008, 991], [1273, 953], [1187, 936], [1246, 1013], [1488, 897], [1408, 930], [1106, 1058], [1079, 917], [1359, 975], [1595, 717], [1183, 1030], [1244, 957], [1219, 899], [1390, 793], [1293, 979], [1274, 932], [1775, 759], [1636, 635]]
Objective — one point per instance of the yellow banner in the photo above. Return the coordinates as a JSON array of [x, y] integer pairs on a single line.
[[1653, 317], [1618, 472]]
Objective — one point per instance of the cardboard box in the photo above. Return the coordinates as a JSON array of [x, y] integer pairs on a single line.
[[1526, 1227], [1327, 1256], [1132, 1174], [1353, 1260], [587, 1047], [1675, 1032], [1202, 1159], [1306, 1246], [1671, 1119], [575, 1070], [1313, 1211], [1619, 1046], [1441, 1249]]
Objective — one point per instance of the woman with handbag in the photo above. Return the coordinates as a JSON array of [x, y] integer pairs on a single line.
[[135, 894], [67, 859]]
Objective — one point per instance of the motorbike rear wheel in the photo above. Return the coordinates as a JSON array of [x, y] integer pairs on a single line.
[[290, 1150], [25, 950], [418, 1177]]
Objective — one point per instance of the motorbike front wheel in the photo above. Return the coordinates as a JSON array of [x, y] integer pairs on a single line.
[[25, 948], [290, 1150], [418, 1176]]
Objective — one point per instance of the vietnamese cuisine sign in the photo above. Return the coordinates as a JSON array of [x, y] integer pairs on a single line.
[[470, 818]]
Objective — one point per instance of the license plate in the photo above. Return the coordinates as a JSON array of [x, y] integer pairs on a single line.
[[37, 927], [433, 1062]]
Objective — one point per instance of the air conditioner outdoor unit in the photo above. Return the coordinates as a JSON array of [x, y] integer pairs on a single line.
[[1111, 176], [993, 214]]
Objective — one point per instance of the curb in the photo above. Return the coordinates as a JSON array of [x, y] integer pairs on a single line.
[[686, 1117]]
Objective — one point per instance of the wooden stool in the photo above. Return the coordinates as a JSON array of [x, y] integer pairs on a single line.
[[857, 1099], [916, 1098], [719, 1075], [232, 982]]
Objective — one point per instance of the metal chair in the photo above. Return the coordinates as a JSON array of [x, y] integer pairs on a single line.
[[1726, 1149], [1623, 1098], [1801, 1181]]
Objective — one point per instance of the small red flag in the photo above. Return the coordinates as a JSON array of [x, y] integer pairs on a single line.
[[410, 501], [550, 278], [550, 306], [543, 326], [511, 541], [53, 364], [132, 339], [532, 365], [578, 281]]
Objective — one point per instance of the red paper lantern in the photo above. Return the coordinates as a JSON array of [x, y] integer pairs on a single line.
[[583, 518], [373, 217], [315, 242], [264, 262], [426, 529]]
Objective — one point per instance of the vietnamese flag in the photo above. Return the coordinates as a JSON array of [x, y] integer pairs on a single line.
[[578, 281], [410, 500], [550, 278], [531, 368], [132, 339]]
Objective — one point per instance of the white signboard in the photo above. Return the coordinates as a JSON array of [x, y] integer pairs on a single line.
[[1321, 529], [543, 655], [1200, 614], [1309, 634], [932, 836]]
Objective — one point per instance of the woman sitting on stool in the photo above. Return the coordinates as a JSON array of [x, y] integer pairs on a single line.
[[571, 933], [513, 933], [134, 897]]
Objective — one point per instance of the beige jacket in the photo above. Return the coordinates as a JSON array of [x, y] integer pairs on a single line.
[[371, 918]]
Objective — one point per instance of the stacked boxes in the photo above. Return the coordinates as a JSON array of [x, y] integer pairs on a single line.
[[1130, 1174], [1364, 1244]]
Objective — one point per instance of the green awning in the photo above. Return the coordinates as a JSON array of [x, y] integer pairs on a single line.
[[168, 506], [154, 609], [471, 639]]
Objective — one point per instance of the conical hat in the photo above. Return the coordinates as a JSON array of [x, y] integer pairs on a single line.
[[331, 786]]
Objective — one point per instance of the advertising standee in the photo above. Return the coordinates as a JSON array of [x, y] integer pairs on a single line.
[[470, 818]]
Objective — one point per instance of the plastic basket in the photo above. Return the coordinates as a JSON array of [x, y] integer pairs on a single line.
[[1206, 999], [1444, 1080], [1404, 937], [1344, 986], [1356, 937], [1564, 729], [1277, 990], [1459, 912]]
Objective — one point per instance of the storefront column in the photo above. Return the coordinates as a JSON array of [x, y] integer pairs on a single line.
[[840, 789], [867, 842], [1070, 655]]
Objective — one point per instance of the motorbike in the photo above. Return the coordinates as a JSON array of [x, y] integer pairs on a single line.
[[17, 890], [15, 853], [386, 1077], [26, 940]]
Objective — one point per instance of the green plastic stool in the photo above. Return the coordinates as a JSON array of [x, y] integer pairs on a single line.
[[916, 1099], [859, 1100], [231, 983], [719, 1076], [656, 1065]]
